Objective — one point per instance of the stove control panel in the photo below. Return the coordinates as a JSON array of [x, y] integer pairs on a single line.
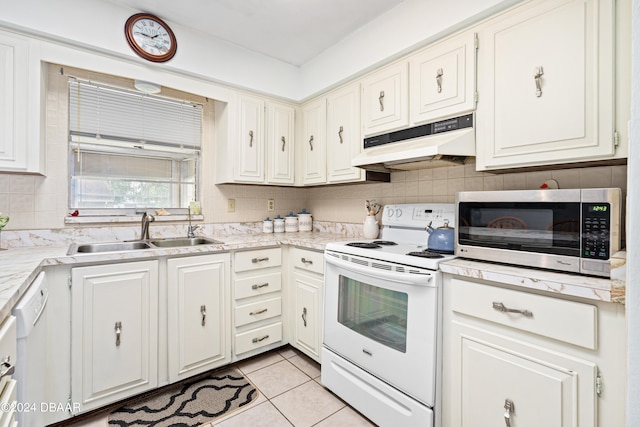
[[419, 215]]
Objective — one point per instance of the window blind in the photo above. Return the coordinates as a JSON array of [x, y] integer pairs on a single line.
[[115, 118]]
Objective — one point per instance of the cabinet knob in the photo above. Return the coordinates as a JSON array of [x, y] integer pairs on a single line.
[[509, 408], [537, 76], [439, 75], [118, 329]]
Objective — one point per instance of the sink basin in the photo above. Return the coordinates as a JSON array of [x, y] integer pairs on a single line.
[[107, 247], [183, 241]]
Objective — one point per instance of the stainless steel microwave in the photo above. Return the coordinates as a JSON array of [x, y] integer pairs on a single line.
[[573, 230]]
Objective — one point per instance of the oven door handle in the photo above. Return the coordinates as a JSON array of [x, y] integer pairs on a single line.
[[404, 278]]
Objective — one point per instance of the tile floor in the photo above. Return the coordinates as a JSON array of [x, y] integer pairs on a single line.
[[290, 395]]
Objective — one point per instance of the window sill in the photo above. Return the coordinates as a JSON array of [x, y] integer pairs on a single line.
[[123, 219]]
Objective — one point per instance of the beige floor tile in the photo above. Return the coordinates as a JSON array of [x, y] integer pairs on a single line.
[[262, 415], [259, 362], [288, 352], [306, 365], [101, 420], [346, 417], [255, 402], [277, 378], [307, 404]]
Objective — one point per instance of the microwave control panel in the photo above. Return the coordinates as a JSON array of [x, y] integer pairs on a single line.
[[596, 226]]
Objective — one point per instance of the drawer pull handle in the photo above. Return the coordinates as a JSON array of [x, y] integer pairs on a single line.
[[250, 138], [502, 308], [306, 261], [118, 329], [203, 311], [6, 368], [304, 316], [509, 409], [257, 260], [255, 340], [381, 100], [254, 287], [255, 313]]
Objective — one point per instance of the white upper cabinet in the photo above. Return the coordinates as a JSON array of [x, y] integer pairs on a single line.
[[280, 143], [256, 144], [546, 85], [20, 91], [249, 140], [343, 134], [313, 143], [443, 79], [385, 104]]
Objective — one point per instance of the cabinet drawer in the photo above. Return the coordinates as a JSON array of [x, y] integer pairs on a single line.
[[256, 311], [257, 338], [253, 260], [568, 321], [308, 260], [258, 285]]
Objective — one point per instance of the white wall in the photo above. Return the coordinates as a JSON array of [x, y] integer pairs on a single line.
[[98, 26]]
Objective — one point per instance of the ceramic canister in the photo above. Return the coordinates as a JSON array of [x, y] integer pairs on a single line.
[[305, 222], [267, 226], [278, 224], [291, 223]]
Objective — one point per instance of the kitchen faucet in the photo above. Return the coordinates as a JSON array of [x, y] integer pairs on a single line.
[[144, 231], [191, 228]]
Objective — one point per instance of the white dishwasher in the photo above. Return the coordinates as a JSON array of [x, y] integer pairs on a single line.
[[31, 319]]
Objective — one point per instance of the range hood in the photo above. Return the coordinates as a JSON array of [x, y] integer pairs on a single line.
[[444, 143]]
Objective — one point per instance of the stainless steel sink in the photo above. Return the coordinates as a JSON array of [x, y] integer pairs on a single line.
[[183, 241], [107, 247]]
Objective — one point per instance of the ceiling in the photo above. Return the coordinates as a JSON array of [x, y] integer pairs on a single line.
[[293, 31]]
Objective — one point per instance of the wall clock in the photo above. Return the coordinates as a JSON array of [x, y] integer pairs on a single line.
[[150, 37]]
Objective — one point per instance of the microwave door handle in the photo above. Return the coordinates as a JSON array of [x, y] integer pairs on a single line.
[[408, 279]]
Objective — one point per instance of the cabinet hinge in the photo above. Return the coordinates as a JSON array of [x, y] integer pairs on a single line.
[[476, 96], [69, 280], [598, 385], [616, 139], [476, 41]]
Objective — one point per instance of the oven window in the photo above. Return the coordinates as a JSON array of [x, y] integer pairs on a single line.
[[544, 227], [376, 313]]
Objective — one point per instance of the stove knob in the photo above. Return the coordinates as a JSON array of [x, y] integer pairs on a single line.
[[398, 213], [389, 212]]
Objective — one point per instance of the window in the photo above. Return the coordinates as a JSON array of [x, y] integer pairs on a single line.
[[129, 150]]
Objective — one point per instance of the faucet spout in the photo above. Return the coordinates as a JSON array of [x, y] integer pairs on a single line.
[[144, 230], [191, 228]]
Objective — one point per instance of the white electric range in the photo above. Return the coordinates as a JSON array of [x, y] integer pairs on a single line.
[[382, 318]]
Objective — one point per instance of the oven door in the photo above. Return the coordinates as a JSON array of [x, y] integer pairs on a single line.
[[383, 321]]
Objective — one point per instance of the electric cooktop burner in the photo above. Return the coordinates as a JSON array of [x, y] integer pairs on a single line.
[[364, 245], [384, 242], [426, 254]]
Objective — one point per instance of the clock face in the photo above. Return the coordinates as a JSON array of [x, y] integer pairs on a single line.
[[150, 37]]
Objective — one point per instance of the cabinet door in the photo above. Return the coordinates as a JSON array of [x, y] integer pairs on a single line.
[[307, 312], [546, 85], [13, 103], [280, 146], [385, 104], [114, 325], [198, 295], [343, 134], [443, 79], [313, 143], [543, 388], [250, 141]]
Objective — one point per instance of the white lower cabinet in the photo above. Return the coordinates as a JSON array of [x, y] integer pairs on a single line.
[[520, 368], [308, 282], [198, 304], [257, 301], [8, 384], [114, 325]]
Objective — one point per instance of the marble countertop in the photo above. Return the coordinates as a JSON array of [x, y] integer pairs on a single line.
[[594, 288], [19, 266]]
